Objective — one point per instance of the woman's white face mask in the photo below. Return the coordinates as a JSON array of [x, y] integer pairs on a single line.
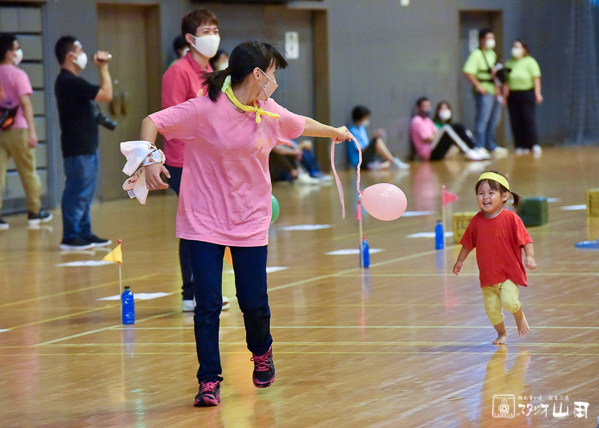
[[18, 57], [517, 52], [207, 45], [490, 43], [444, 114]]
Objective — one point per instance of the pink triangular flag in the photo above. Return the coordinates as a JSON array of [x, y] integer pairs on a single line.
[[447, 197]]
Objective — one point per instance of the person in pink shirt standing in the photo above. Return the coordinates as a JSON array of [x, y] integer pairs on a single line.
[[225, 197], [19, 140], [181, 82]]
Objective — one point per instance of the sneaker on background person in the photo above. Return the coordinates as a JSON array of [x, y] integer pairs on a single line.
[[483, 153], [500, 151], [536, 149], [189, 305], [321, 176], [98, 242], [304, 178], [77, 243], [473, 155], [398, 164], [3, 224], [40, 217]]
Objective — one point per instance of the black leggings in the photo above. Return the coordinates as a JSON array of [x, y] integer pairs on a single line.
[[522, 106]]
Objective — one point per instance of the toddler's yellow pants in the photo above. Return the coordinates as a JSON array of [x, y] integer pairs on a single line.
[[504, 294]]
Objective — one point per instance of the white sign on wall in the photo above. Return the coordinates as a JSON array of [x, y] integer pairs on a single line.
[[291, 45]]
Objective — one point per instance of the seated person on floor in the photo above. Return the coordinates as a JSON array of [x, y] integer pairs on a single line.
[[309, 162], [432, 143], [444, 115], [370, 148], [285, 161]]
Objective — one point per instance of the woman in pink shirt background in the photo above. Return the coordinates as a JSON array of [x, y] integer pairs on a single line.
[[182, 81], [225, 197]]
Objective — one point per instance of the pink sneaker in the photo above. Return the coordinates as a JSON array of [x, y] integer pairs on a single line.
[[209, 394], [264, 370]]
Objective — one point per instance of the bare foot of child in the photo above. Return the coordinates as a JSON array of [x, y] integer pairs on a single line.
[[523, 326], [501, 339], [501, 334]]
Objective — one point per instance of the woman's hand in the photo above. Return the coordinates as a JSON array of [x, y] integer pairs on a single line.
[[341, 134], [153, 178], [539, 98]]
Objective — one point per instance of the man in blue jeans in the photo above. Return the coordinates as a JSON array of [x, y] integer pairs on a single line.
[[480, 69], [80, 138]]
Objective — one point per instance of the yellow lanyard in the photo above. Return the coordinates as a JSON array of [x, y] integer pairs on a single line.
[[258, 110]]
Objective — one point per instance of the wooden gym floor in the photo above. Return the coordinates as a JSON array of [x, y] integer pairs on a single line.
[[407, 344]]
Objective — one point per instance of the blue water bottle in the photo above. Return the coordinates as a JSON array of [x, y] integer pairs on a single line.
[[128, 306], [439, 236], [365, 254]]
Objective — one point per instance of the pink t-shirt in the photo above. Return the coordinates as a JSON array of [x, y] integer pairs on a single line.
[[15, 83], [422, 128], [225, 195], [181, 82]]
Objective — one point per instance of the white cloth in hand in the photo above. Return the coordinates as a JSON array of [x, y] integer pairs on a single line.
[[139, 153]]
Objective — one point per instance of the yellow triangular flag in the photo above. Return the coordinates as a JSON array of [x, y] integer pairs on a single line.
[[115, 256]]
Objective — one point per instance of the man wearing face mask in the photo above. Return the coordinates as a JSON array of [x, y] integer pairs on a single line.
[[183, 81], [480, 71], [19, 139], [80, 139]]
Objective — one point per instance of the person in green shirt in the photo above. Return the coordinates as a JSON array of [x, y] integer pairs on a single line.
[[480, 70], [522, 90]]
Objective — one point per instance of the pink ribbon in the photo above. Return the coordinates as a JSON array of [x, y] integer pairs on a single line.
[[337, 181]]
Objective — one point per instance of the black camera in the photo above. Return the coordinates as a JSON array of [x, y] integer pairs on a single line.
[[102, 119]]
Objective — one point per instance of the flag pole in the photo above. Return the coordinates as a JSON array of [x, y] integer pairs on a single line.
[[120, 272], [443, 213], [359, 213]]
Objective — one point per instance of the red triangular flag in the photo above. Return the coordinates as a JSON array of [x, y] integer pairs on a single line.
[[447, 197]]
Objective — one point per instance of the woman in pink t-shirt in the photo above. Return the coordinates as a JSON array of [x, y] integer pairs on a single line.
[[225, 197]]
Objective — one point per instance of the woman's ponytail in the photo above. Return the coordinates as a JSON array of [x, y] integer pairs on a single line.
[[214, 82]]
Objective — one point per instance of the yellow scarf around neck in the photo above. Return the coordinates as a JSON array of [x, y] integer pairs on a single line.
[[258, 110]]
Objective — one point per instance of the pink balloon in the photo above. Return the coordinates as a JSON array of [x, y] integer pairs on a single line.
[[384, 201]]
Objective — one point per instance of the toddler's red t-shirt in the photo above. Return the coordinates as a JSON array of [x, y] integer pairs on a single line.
[[498, 242]]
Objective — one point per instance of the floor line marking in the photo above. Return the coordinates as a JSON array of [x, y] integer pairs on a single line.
[[332, 275], [547, 327], [299, 352], [35, 299], [61, 317], [115, 326], [433, 344], [451, 274]]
